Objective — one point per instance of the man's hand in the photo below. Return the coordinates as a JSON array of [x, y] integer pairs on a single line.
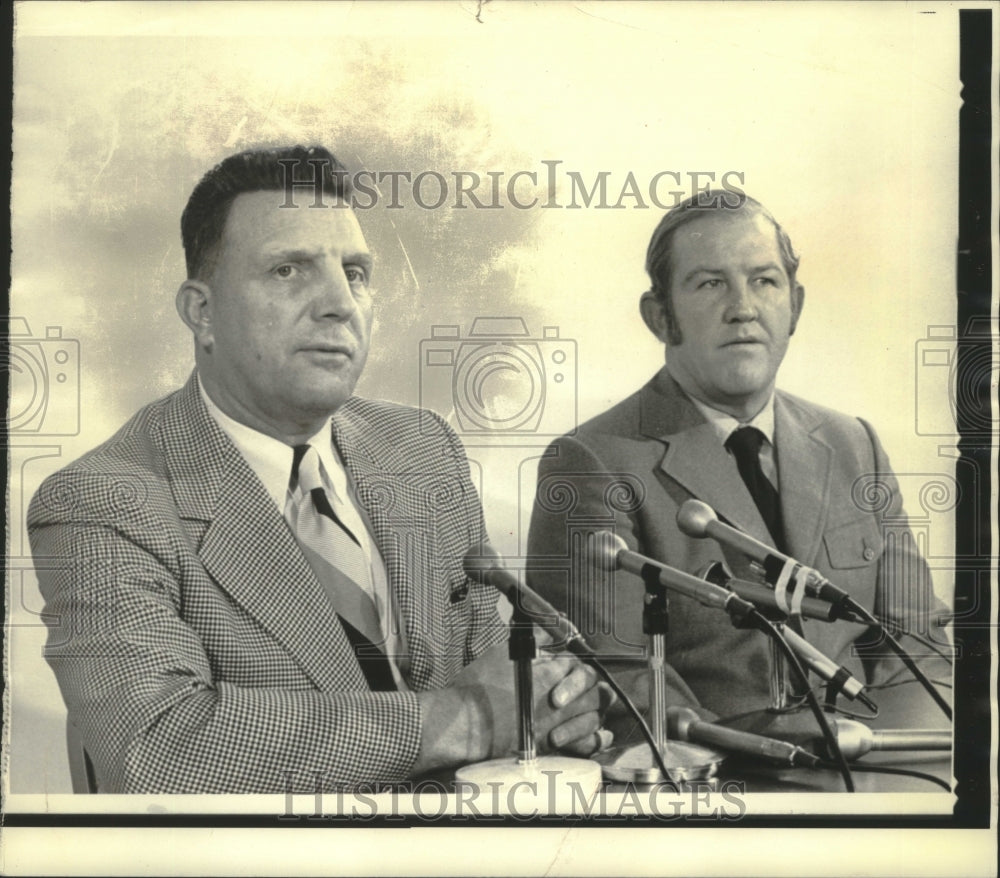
[[475, 718]]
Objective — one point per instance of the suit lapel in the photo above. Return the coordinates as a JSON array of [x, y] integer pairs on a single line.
[[695, 458], [395, 508], [248, 548], [805, 463]]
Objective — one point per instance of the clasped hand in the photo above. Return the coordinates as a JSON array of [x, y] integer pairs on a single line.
[[569, 703]]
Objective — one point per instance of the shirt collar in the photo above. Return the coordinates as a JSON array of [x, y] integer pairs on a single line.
[[270, 458], [723, 424], [333, 467]]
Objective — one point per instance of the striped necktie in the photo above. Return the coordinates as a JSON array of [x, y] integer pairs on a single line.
[[339, 562]]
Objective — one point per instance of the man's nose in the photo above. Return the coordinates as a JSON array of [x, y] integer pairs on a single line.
[[334, 296], [741, 306]]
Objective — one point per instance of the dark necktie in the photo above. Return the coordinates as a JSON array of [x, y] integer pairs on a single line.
[[340, 564], [745, 443]]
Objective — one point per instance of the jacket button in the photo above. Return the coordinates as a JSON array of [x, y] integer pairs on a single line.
[[869, 553]]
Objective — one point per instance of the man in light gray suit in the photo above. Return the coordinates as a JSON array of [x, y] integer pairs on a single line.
[[257, 585], [725, 300]]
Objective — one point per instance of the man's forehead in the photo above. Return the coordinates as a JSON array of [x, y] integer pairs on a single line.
[[716, 222], [259, 218], [719, 231]]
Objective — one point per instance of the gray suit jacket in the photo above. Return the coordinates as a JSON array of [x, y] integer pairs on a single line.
[[631, 468], [193, 645]]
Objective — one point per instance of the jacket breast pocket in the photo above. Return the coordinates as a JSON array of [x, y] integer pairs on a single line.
[[855, 544]]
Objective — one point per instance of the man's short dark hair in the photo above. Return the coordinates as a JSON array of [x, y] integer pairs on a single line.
[[255, 170], [658, 255]]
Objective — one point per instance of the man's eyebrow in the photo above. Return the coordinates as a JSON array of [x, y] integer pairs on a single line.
[[702, 269], [363, 259], [289, 254], [299, 254]]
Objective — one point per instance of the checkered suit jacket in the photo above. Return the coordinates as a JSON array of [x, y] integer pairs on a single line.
[[192, 643], [632, 467]]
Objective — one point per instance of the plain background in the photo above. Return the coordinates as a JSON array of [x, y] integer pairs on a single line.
[[840, 117]]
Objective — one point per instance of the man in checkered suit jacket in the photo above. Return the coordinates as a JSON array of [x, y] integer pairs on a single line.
[[194, 646]]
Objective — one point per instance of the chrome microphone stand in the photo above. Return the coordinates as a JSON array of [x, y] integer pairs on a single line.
[[782, 718], [778, 677], [684, 762], [530, 782], [522, 651], [775, 719]]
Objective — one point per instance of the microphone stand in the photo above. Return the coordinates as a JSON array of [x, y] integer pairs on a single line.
[[781, 718], [528, 783], [522, 651], [778, 679], [774, 720], [683, 761]]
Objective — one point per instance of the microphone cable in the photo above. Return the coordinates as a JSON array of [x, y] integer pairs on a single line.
[[881, 687], [594, 662], [833, 746], [888, 769], [850, 714], [895, 646], [925, 641]]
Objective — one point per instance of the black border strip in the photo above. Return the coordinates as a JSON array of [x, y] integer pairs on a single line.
[[303, 818], [973, 550]]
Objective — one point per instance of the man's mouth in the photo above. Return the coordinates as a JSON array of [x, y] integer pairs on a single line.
[[343, 350]]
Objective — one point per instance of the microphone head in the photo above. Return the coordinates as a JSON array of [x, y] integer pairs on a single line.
[[679, 720], [854, 738], [480, 561], [694, 517], [603, 548]]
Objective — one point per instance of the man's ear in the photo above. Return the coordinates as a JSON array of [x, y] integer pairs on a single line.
[[654, 315], [798, 298], [194, 305]]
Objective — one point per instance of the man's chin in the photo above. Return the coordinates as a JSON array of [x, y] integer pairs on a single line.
[[746, 391], [747, 379], [325, 399]]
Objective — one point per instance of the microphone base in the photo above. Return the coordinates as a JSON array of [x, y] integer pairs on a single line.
[[545, 785], [685, 763]]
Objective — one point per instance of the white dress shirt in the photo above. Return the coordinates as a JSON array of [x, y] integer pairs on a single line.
[[724, 424]]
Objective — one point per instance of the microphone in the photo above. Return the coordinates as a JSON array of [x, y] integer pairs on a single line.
[[685, 725], [609, 551], [698, 520], [839, 678], [856, 739], [483, 564], [763, 597], [790, 579]]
